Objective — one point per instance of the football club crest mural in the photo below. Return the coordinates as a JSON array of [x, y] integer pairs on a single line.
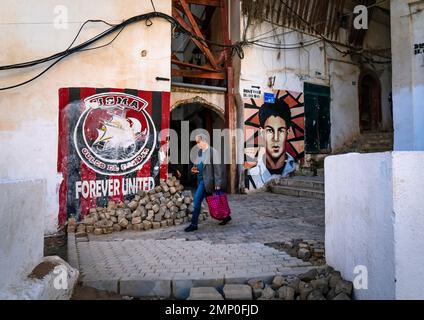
[[108, 145], [274, 136]]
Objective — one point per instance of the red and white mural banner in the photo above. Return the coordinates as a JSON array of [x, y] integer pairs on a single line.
[[108, 146]]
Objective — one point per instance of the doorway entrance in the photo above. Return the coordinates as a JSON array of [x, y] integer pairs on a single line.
[[198, 116], [369, 102], [317, 118]]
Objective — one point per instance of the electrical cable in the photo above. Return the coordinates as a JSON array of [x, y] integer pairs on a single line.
[[333, 44], [236, 49], [80, 29], [313, 28], [153, 5], [37, 76], [49, 67], [323, 21], [288, 46], [105, 45], [85, 45], [116, 27]]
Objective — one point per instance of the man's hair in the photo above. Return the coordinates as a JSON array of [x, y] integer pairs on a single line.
[[202, 137], [278, 109]]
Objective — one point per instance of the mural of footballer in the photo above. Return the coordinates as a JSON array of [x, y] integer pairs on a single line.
[[273, 160]]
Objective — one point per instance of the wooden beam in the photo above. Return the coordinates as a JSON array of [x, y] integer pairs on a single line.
[[222, 57], [199, 44], [186, 26], [190, 65], [212, 3], [230, 108], [175, 57], [198, 33], [209, 12], [198, 74], [178, 6]]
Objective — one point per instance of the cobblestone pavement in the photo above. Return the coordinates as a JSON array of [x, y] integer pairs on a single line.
[[262, 217], [147, 263], [175, 259]]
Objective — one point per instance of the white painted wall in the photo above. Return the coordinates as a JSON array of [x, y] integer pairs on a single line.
[[290, 67], [374, 217], [408, 207], [359, 220], [28, 115], [407, 20], [22, 203]]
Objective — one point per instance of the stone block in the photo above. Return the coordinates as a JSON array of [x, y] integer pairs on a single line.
[[238, 292]]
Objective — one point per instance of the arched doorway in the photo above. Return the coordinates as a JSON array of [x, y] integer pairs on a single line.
[[369, 102], [199, 116]]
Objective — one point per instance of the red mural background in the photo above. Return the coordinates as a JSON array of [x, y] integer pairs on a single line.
[[83, 187]]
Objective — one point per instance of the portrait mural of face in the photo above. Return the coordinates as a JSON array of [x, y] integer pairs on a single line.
[[274, 133]]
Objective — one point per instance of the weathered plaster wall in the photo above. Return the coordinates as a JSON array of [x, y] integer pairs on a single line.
[[344, 108], [320, 64], [407, 20], [408, 208], [22, 203], [28, 115], [213, 99]]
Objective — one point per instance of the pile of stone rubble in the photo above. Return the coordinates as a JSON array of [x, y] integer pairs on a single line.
[[323, 283], [308, 250], [165, 205], [316, 284]]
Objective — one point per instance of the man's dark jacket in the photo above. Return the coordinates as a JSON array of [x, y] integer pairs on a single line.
[[213, 170]]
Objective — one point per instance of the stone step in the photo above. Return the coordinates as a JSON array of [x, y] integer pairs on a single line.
[[370, 142], [375, 149], [204, 293], [376, 137], [374, 141], [298, 192], [378, 134], [314, 184], [379, 140], [170, 268]]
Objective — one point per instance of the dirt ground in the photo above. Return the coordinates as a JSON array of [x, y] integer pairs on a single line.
[[88, 293], [42, 270], [56, 245]]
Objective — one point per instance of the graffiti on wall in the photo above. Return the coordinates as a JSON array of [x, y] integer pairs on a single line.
[[274, 136], [108, 146]]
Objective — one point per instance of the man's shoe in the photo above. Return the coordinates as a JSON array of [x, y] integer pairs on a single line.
[[190, 228], [225, 221]]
